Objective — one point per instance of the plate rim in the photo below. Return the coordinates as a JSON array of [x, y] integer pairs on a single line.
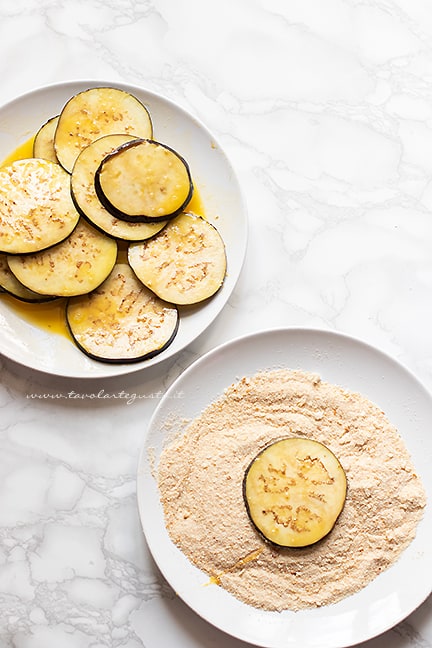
[[101, 370], [144, 466]]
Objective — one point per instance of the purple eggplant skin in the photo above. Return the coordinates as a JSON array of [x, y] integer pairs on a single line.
[[142, 218]]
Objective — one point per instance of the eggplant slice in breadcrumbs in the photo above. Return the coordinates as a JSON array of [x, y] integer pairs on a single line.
[[294, 491]]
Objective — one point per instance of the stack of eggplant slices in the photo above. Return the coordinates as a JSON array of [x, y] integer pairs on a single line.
[[99, 216]]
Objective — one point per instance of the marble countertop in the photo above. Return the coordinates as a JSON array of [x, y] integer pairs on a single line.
[[325, 111]]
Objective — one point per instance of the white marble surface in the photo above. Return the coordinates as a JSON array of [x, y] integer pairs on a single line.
[[325, 110]]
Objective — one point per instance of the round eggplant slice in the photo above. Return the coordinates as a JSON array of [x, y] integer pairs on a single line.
[[143, 181], [43, 145], [294, 491], [121, 321], [36, 207], [94, 113], [87, 201], [10, 284], [185, 263], [74, 267]]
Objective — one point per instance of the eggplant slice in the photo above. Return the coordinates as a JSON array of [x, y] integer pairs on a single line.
[[10, 285], [121, 321], [184, 264], [87, 202], [144, 181], [94, 113], [36, 207], [43, 145], [74, 267], [294, 491]]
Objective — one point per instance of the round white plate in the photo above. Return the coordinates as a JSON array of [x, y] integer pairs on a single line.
[[217, 185], [338, 359]]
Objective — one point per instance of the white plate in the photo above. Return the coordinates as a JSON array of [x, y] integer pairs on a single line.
[[218, 188], [340, 360]]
